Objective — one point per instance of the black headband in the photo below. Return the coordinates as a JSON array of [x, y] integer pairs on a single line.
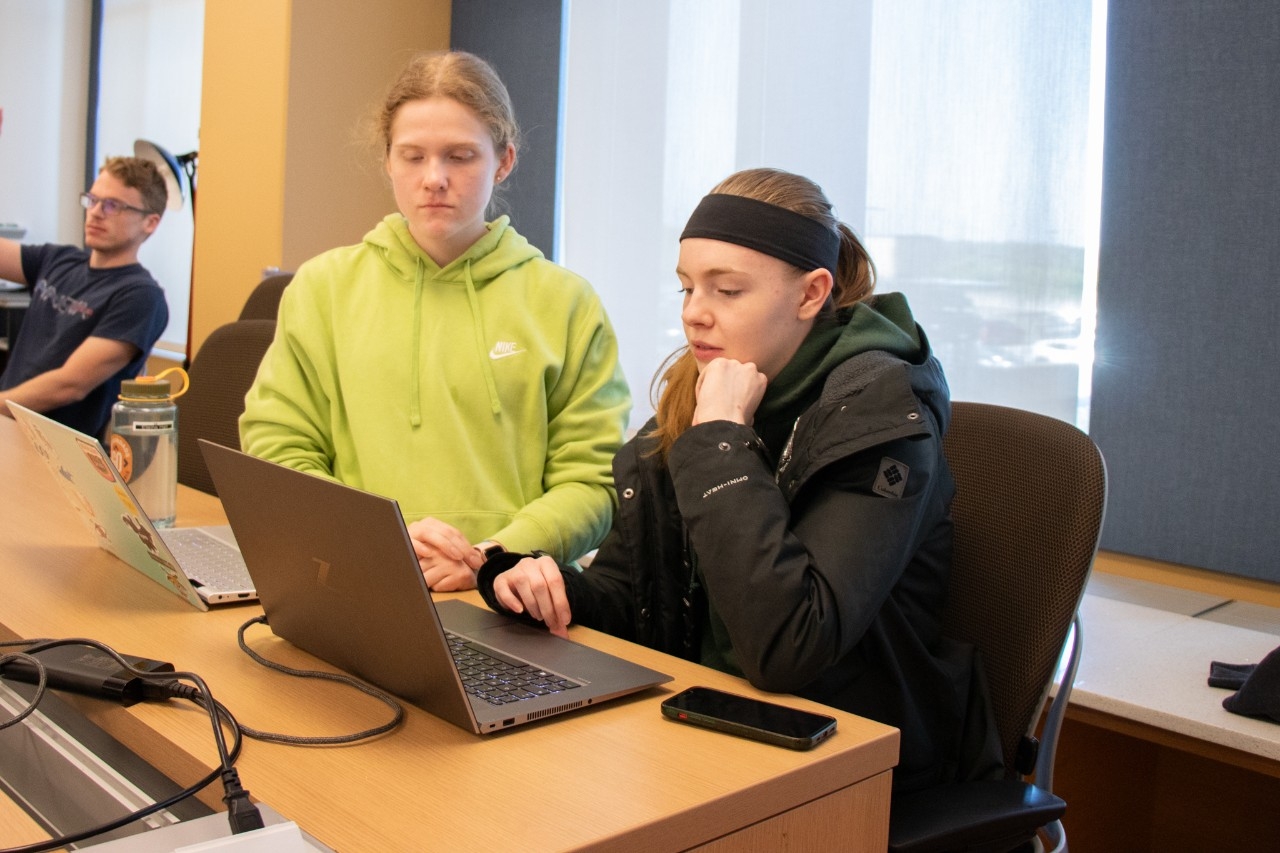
[[776, 231]]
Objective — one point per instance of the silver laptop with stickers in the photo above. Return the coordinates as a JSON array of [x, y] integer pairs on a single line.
[[200, 564]]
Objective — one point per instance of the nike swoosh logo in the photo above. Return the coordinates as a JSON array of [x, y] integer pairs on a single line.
[[495, 354]]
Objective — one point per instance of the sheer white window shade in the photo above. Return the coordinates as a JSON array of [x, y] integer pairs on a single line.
[[150, 79], [953, 136], [43, 68]]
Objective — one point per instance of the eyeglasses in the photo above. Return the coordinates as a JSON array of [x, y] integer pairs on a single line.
[[110, 206]]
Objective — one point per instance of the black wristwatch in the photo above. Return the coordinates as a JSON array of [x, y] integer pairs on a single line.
[[490, 549]]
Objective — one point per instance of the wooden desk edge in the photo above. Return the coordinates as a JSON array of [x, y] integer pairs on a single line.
[[1175, 740]]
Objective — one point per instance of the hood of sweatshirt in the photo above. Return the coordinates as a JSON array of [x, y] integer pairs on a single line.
[[499, 250], [882, 323]]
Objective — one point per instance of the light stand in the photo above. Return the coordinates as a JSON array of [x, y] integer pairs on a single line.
[[173, 169]]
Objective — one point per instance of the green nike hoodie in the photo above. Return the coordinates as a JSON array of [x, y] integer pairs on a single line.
[[486, 394]]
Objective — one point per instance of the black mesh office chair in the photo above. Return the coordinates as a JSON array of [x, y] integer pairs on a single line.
[[221, 374], [264, 302], [1030, 499]]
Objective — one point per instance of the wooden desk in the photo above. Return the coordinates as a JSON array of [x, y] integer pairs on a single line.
[[1148, 758], [614, 777]]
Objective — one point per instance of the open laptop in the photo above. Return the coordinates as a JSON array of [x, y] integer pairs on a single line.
[[200, 564], [337, 576]]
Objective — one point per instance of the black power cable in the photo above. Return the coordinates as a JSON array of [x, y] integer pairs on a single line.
[[160, 686], [42, 682], [242, 814]]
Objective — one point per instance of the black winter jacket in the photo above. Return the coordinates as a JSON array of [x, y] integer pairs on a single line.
[[828, 569]]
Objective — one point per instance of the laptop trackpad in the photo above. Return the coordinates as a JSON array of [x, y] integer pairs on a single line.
[[463, 618], [521, 641]]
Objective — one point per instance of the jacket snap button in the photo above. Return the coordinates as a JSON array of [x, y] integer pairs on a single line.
[[724, 445], [628, 493], [644, 613]]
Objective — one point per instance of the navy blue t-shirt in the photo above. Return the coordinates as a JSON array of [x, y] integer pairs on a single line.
[[70, 302]]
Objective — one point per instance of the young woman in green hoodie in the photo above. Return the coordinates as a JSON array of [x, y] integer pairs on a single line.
[[785, 516], [444, 361]]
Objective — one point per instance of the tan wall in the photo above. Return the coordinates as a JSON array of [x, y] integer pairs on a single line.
[[240, 194], [285, 86], [342, 61]]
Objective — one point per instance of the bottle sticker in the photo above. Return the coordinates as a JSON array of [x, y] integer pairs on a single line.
[[151, 426], [122, 457]]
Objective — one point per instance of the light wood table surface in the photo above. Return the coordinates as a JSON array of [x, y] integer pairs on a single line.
[[615, 777]]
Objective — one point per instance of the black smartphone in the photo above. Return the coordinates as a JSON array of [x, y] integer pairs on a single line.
[[751, 718]]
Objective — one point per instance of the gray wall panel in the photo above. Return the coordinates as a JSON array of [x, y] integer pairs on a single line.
[[522, 40], [1185, 395]]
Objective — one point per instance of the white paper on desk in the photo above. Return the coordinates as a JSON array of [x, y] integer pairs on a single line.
[[281, 838]]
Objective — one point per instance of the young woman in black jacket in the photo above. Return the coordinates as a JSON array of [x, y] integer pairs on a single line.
[[785, 515]]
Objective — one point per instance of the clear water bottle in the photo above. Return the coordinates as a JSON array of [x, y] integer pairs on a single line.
[[144, 445]]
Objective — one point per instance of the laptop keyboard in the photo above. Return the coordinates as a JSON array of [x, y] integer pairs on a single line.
[[208, 561], [500, 682]]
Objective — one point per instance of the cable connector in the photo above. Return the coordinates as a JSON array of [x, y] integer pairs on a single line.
[[162, 689], [241, 812]]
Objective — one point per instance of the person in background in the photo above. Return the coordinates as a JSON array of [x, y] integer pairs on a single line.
[[443, 361], [785, 515], [95, 312]]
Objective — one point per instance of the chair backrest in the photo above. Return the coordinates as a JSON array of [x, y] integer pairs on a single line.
[[264, 302], [1030, 499], [221, 374]]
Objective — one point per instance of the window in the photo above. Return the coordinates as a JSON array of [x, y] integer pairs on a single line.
[[961, 140], [149, 88]]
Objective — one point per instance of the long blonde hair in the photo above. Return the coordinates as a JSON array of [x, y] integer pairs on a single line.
[[675, 384]]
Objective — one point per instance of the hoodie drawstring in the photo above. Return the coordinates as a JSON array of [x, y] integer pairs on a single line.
[[477, 327], [415, 381]]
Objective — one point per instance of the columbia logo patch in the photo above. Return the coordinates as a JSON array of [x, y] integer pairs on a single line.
[[891, 482]]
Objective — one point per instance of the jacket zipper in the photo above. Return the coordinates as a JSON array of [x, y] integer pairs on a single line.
[[690, 624], [785, 458]]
